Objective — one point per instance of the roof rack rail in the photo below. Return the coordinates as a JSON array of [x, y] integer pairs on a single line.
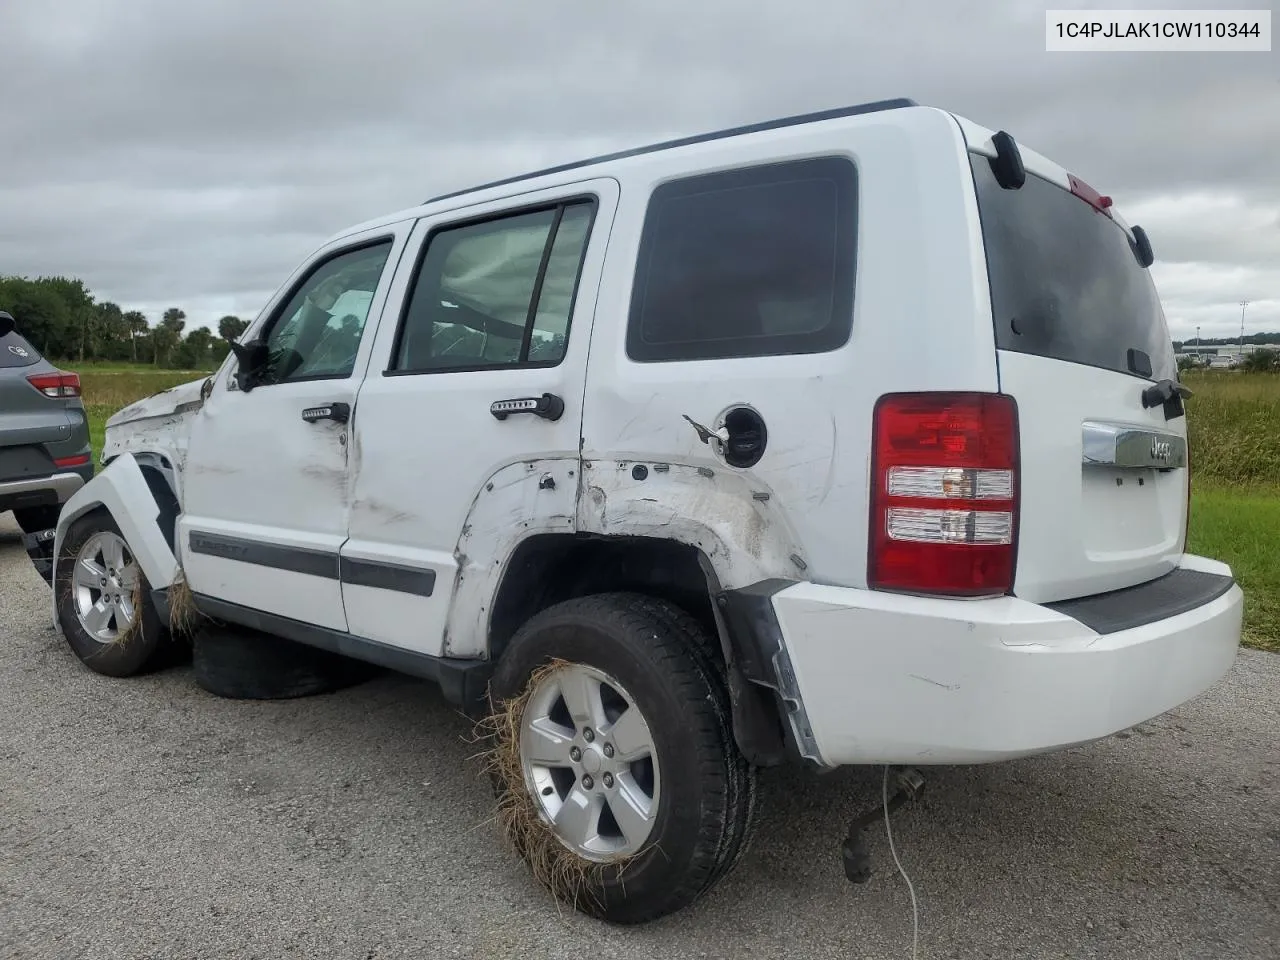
[[833, 114]]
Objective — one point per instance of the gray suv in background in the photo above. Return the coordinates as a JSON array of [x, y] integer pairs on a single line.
[[45, 454]]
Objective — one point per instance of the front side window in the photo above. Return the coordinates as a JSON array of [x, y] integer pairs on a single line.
[[317, 333], [746, 263], [498, 293]]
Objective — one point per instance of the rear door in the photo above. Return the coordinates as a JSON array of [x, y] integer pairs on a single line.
[[496, 305], [29, 419], [1080, 335]]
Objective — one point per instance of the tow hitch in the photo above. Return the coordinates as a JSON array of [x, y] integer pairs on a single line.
[[907, 784], [40, 549]]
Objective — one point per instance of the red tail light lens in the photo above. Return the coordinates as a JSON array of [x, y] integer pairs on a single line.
[[56, 386], [81, 460], [944, 505]]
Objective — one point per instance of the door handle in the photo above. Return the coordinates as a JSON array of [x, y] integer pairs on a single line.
[[548, 407], [337, 412]]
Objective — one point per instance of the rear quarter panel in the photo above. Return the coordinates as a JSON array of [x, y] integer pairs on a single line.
[[921, 322]]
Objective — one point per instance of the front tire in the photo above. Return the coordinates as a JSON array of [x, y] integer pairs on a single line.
[[104, 601], [619, 781]]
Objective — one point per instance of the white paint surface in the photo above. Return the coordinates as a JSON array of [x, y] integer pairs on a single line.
[[427, 478]]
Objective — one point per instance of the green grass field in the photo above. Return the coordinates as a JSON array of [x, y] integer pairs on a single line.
[[1234, 423], [1233, 419], [1242, 527]]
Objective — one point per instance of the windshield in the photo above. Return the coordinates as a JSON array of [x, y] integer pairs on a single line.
[[1065, 282], [16, 352]]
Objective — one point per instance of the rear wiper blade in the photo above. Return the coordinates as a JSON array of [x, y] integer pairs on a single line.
[[1166, 393], [1163, 391]]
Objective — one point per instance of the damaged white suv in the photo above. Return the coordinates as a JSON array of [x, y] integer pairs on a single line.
[[850, 438]]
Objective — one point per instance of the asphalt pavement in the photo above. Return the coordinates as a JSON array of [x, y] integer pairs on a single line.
[[146, 818]]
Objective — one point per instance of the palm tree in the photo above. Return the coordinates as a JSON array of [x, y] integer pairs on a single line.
[[169, 332], [134, 324], [230, 328]]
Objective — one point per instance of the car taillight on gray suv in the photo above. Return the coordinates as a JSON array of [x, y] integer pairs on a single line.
[[58, 385]]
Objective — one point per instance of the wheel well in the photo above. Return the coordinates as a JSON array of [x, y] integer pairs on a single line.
[[551, 568]]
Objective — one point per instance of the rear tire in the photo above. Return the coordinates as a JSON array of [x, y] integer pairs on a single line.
[[242, 664], [650, 656], [104, 602]]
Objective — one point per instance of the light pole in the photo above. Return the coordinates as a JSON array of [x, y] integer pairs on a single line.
[[1243, 304]]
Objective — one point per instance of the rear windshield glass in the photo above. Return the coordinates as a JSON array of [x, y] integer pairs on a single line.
[[1065, 282], [16, 352]]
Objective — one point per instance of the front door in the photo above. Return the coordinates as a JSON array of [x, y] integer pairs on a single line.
[[265, 486], [497, 306]]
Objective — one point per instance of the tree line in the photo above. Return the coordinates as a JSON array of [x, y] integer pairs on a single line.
[[60, 317]]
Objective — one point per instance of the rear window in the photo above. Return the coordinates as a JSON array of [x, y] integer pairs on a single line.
[[16, 352], [1065, 282], [750, 262]]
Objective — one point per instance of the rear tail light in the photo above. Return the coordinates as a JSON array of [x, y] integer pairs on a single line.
[[56, 386], [944, 505], [79, 461]]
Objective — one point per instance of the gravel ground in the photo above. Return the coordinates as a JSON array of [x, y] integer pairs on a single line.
[[145, 818]]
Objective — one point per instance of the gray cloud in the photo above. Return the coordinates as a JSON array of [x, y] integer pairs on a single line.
[[193, 153]]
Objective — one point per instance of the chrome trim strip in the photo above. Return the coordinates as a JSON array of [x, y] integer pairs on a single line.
[[63, 484], [1122, 445]]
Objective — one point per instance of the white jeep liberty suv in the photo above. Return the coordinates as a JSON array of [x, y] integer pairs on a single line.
[[848, 438]]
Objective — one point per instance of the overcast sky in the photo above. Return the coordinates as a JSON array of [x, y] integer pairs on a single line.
[[191, 153]]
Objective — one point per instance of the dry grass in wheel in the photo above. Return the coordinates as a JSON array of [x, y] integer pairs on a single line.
[[572, 879], [183, 615]]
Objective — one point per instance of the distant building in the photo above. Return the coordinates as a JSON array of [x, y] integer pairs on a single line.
[[1221, 350]]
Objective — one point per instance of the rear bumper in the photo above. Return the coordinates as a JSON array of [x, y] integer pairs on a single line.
[[42, 491], [47, 491], [883, 678]]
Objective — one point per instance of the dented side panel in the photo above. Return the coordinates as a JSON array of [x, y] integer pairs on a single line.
[[521, 500], [267, 494], [732, 518], [918, 292], [162, 438]]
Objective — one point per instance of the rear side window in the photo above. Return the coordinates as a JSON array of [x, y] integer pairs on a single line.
[[1065, 282], [16, 352], [746, 263]]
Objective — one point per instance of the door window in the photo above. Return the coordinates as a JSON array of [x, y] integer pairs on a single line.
[[316, 335], [497, 293]]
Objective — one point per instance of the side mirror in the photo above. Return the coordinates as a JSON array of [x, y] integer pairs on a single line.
[[7, 324], [251, 362]]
